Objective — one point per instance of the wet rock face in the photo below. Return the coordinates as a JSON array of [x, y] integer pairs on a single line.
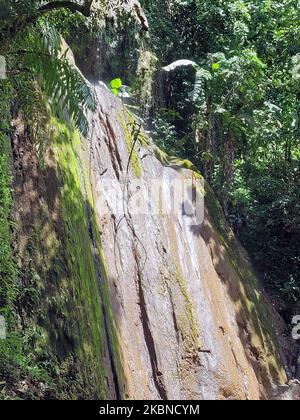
[[192, 321], [289, 392]]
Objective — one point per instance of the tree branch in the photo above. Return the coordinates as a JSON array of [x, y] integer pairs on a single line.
[[22, 22], [142, 17], [84, 9]]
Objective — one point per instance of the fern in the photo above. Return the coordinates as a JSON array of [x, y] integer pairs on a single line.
[[36, 110], [60, 80], [201, 76]]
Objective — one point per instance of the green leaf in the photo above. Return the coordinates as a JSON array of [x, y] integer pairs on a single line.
[[215, 66], [116, 83]]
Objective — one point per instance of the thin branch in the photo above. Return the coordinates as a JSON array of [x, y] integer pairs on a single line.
[[142, 17]]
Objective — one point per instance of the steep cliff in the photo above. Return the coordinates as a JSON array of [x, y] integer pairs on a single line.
[[190, 315], [132, 304]]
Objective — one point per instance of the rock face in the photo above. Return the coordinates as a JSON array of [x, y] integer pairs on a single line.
[[191, 319], [140, 296], [288, 392]]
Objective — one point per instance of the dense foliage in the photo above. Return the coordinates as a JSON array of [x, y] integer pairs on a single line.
[[242, 126], [40, 82], [42, 92], [39, 64], [233, 110]]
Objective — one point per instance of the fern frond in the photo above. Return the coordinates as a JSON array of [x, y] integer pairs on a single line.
[[200, 78], [36, 111], [60, 80]]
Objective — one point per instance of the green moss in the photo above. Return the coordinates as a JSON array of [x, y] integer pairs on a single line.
[[84, 304], [130, 127], [189, 328], [142, 86], [65, 289], [175, 162], [131, 130], [104, 289]]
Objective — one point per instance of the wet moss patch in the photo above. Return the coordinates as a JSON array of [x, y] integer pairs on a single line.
[[88, 304], [134, 137]]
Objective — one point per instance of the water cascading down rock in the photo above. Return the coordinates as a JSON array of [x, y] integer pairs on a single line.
[[191, 319]]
